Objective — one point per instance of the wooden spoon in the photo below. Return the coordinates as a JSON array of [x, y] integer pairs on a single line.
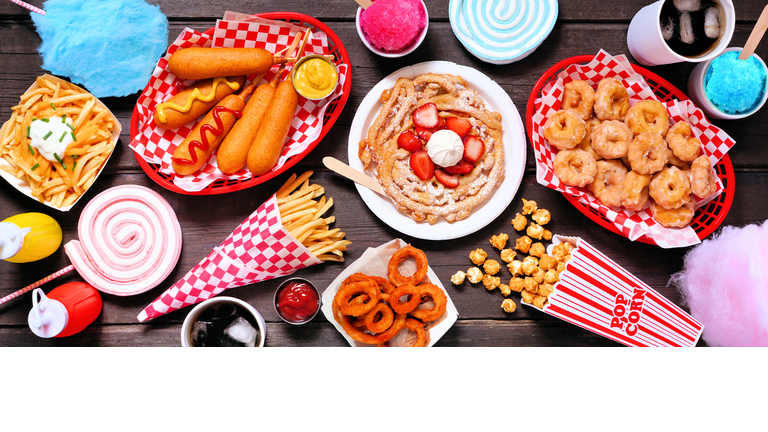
[[358, 177], [365, 4], [755, 36]]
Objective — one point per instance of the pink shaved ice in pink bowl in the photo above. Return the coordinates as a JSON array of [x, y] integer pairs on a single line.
[[393, 26]]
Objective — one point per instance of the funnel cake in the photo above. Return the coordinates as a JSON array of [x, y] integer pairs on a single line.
[[432, 198]]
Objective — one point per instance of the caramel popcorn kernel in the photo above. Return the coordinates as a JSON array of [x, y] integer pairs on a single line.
[[507, 255], [529, 206], [541, 216], [499, 241], [519, 222], [491, 266], [458, 278], [537, 249], [523, 244], [508, 305], [491, 282], [475, 275], [477, 256]]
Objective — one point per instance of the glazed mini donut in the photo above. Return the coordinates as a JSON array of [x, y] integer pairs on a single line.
[[682, 142], [670, 188], [575, 167], [565, 130], [634, 191], [611, 100], [675, 218], [611, 139], [579, 97], [648, 153], [608, 182], [647, 116], [703, 178], [586, 143], [676, 161]]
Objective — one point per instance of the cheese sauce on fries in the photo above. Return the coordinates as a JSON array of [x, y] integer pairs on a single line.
[[60, 182]]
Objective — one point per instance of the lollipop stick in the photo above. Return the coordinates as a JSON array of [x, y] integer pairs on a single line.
[[755, 36], [29, 6], [29, 288]]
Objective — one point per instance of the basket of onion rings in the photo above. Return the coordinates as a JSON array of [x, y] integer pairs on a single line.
[[641, 85], [389, 297]]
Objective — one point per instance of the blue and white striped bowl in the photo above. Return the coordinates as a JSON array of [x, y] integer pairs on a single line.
[[502, 31]]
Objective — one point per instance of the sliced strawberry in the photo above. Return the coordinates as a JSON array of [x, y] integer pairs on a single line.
[[446, 179], [423, 133], [422, 165], [409, 141], [459, 125], [463, 167], [426, 116], [440, 125], [473, 149]]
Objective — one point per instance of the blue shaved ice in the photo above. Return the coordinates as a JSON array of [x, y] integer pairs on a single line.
[[109, 46], [735, 86]]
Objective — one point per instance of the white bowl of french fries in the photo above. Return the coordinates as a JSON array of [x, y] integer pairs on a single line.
[[95, 130]]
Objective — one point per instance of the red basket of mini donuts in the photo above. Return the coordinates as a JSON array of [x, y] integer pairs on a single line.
[[630, 151]]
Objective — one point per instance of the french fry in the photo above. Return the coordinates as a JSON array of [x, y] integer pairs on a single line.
[[60, 182], [302, 207]]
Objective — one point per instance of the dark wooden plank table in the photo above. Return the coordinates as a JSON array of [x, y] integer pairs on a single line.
[[583, 27]]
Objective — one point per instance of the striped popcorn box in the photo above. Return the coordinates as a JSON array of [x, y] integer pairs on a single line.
[[597, 294]]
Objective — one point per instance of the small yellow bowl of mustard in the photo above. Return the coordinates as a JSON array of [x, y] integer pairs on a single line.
[[315, 77]]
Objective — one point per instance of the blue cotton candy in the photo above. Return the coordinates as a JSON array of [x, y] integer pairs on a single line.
[[109, 46], [735, 86]]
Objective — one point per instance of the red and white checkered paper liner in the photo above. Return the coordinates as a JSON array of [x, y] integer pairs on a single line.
[[156, 145], [258, 249], [631, 224], [599, 295]]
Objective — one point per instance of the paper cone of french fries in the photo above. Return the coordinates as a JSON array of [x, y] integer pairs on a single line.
[[285, 234], [599, 295]]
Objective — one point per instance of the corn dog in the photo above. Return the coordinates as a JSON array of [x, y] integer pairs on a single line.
[[194, 152], [192, 102], [233, 151], [268, 144], [201, 63]]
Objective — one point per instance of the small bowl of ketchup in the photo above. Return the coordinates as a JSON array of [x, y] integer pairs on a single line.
[[297, 301]]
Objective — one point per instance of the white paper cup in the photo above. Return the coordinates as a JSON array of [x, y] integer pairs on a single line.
[[698, 94], [647, 45], [402, 53]]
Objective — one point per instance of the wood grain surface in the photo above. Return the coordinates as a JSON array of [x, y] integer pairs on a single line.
[[583, 27]]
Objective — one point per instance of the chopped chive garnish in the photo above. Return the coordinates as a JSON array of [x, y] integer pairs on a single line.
[[64, 118], [63, 134], [53, 106], [76, 156], [70, 126], [31, 151], [74, 166], [60, 161], [34, 167], [73, 136], [29, 130], [47, 135], [44, 120]]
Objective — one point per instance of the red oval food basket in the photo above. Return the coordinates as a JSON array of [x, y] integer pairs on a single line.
[[707, 218], [332, 112]]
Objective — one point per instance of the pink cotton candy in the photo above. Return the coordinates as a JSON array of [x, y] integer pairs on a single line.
[[725, 284], [393, 25]]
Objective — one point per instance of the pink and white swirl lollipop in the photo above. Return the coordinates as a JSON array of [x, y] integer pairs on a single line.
[[130, 241]]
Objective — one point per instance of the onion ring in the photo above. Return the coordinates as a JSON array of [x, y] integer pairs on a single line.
[[417, 326], [414, 299], [367, 338], [438, 298], [421, 266], [385, 286], [353, 288], [379, 319]]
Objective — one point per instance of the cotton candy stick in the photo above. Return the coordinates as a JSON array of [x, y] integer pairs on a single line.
[[30, 7], [42, 281]]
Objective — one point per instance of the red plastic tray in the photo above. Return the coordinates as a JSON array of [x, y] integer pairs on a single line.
[[332, 112], [707, 218]]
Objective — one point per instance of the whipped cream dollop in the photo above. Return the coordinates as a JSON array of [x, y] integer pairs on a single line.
[[51, 136], [445, 148]]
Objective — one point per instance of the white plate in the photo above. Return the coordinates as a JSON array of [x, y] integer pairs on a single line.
[[513, 133]]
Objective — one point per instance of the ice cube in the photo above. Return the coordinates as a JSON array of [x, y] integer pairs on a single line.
[[667, 28], [686, 28], [712, 22], [687, 5], [200, 333], [239, 333]]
